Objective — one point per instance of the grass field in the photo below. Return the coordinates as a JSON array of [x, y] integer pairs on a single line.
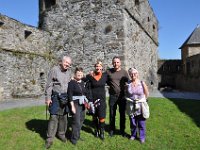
[[173, 124]]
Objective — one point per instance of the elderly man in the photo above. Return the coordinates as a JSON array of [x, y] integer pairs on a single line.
[[56, 99]]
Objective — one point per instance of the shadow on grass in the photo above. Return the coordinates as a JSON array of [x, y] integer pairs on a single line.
[[38, 126], [88, 126], [190, 108]]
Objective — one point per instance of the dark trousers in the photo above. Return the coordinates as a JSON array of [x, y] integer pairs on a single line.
[[77, 121], [97, 123], [57, 124], [113, 102], [100, 113]]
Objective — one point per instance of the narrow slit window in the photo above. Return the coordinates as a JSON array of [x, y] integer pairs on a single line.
[[1, 23], [27, 33], [137, 2], [154, 27]]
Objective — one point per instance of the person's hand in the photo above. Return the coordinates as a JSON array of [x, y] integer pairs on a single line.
[[48, 102], [73, 109], [126, 84], [126, 87], [87, 106]]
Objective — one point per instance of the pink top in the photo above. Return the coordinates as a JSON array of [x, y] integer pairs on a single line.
[[136, 92]]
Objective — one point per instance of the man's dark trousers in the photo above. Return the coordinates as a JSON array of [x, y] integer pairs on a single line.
[[113, 102], [57, 121]]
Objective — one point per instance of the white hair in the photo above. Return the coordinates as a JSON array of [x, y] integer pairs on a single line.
[[130, 70], [62, 57]]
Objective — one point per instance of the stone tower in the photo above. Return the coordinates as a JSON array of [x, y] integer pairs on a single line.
[[88, 30]]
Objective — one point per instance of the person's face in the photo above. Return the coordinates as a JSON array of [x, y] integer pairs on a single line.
[[66, 63], [116, 63], [78, 75], [133, 75], [98, 68]]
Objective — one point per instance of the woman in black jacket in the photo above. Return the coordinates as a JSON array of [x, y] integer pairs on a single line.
[[97, 96], [76, 93]]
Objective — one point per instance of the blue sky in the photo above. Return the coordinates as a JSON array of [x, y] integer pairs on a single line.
[[25, 11], [177, 19]]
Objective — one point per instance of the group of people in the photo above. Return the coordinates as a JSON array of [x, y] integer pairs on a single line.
[[66, 93]]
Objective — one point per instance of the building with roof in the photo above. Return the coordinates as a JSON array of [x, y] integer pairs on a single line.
[[190, 50], [182, 74]]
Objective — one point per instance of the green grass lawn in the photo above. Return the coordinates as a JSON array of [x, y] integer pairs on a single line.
[[173, 124]]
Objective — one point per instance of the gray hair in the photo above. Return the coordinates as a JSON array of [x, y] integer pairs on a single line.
[[62, 57]]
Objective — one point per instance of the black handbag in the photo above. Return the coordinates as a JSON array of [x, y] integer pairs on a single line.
[[62, 97]]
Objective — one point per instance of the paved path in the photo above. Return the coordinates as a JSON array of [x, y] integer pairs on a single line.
[[176, 94], [18, 103]]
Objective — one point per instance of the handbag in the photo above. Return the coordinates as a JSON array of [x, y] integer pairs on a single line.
[[62, 97]]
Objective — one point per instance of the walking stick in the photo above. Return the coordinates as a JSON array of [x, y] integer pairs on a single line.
[[46, 111]]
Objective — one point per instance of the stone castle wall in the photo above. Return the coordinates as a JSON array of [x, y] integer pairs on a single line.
[[171, 75], [193, 50], [194, 66], [168, 73], [85, 30], [141, 41], [187, 83], [25, 59]]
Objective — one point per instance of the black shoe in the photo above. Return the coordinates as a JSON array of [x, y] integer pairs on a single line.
[[102, 133], [96, 133], [62, 138], [48, 144], [124, 134], [111, 133], [73, 142]]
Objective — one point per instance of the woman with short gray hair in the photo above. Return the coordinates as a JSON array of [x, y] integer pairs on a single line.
[[137, 93]]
